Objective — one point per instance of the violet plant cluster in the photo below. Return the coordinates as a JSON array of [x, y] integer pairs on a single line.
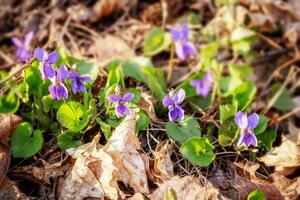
[[58, 89]]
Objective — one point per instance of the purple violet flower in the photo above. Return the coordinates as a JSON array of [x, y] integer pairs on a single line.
[[172, 102], [46, 60], [23, 52], [247, 124], [119, 101], [203, 86], [183, 47], [78, 82], [57, 89]]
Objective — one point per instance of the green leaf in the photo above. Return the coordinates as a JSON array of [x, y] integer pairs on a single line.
[[115, 74], [198, 150], [9, 103], [240, 71], [265, 140], [25, 142], [153, 83], [227, 132], [33, 79], [73, 115], [184, 129], [228, 85], [284, 101], [227, 111], [105, 128], [262, 125], [244, 95], [68, 140], [202, 102], [156, 41], [134, 67], [47, 103], [142, 121], [256, 195]]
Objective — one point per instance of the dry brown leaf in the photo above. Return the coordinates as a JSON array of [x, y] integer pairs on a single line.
[[8, 123], [110, 47], [98, 169], [275, 187], [147, 104], [43, 174], [185, 188], [9, 190], [286, 157], [100, 9], [4, 161], [162, 164]]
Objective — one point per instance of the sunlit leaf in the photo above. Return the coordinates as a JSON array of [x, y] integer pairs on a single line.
[[156, 41], [198, 150], [227, 132], [73, 115]]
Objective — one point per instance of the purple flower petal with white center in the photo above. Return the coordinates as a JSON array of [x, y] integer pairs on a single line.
[[183, 48], [241, 120], [203, 86], [173, 105], [253, 120], [62, 73], [246, 124], [179, 96], [23, 52], [78, 82], [58, 91], [114, 98], [122, 110], [47, 71], [40, 54], [127, 97], [167, 101], [119, 101], [52, 57]]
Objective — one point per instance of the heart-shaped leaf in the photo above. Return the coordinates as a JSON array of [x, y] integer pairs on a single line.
[[156, 41], [142, 121], [73, 115], [68, 140], [227, 132], [9, 103], [25, 142], [244, 94], [198, 150], [184, 129]]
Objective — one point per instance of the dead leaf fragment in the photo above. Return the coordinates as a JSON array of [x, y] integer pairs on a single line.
[[8, 123], [162, 164], [185, 188], [98, 169], [286, 157]]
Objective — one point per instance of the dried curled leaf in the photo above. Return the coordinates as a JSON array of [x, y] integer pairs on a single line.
[[98, 169], [162, 164], [8, 123], [286, 157], [185, 188]]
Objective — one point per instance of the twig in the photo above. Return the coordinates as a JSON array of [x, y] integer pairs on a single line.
[[291, 113]]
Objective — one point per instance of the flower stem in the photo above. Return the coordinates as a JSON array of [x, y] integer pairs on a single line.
[[170, 66]]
